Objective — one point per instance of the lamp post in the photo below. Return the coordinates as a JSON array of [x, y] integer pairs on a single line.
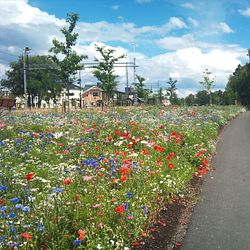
[[26, 52], [134, 44], [134, 73], [80, 83]]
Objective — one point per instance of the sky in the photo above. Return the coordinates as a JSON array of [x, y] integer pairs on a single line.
[[167, 38]]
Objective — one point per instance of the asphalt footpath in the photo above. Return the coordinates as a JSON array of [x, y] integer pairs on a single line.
[[221, 219]]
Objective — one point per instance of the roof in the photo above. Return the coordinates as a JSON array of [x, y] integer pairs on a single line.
[[89, 87]]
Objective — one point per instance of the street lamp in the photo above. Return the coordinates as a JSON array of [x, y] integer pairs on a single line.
[[80, 83], [134, 73], [26, 52]]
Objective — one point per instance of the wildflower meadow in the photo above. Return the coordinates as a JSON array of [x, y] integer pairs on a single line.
[[96, 179]]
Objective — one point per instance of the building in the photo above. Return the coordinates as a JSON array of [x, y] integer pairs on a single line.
[[92, 96]]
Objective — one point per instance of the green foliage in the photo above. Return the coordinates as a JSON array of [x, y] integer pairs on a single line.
[[208, 83], [238, 86], [43, 80], [171, 90], [202, 98], [104, 71], [80, 177], [67, 60], [140, 87]]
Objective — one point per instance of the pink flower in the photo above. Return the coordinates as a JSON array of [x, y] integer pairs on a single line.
[[87, 178]]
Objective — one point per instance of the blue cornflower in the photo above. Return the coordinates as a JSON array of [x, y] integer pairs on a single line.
[[130, 195], [14, 245], [26, 209], [145, 210], [101, 158], [77, 242], [18, 141], [40, 227], [19, 206], [3, 188], [12, 230], [14, 200], [57, 190], [3, 208], [126, 206], [12, 215]]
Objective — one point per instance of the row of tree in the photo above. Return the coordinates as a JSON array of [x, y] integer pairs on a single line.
[[49, 74]]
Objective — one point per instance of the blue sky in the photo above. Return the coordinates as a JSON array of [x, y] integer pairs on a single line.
[[173, 38]]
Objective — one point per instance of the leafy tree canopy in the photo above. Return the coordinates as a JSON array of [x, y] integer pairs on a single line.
[[42, 78], [104, 71]]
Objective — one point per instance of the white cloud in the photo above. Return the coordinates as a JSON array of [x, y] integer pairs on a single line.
[[193, 22], [115, 7], [187, 66], [188, 5], [225, 28], [245, 12], [143, 1], [23, 25], [125, 32]]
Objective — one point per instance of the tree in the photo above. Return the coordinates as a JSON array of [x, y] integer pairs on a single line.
[[171, 89], [43, 81], [202, 98], [190, 100], [238, 86], [160, 95], [64, 56], [139, 86], [217, 97], [104, 71], [207, 83]]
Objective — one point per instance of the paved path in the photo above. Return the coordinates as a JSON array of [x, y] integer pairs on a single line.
[[221, 220]]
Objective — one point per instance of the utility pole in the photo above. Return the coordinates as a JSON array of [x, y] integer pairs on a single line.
[[80, 83], [26, 51], [134, 71]]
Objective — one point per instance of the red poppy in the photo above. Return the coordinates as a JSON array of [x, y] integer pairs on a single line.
[[30, 176], [159, 148], [2, 201], [126, 135], [125, 170], [199, 153], [171, 165], [170, 156], [136, 244], [67, 182], [82, 234], [123, 178], [144, 151], [26, 236], [120, 209], [117, 132]]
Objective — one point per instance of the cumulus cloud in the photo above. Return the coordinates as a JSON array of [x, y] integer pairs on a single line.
[[23, 25], [193, 22], [188, 5], [225, 28], [245, 12], [187, 66]]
